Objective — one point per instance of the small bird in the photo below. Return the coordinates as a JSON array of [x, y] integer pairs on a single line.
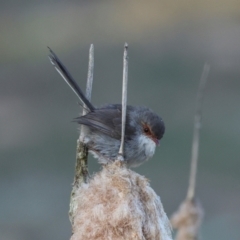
[[143, 131]]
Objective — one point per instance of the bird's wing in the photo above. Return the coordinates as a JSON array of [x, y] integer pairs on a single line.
[[106, 121]]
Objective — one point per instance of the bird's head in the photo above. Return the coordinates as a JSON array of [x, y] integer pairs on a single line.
[[148, 124]]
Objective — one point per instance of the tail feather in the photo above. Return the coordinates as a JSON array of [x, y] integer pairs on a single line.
[[69, 79]]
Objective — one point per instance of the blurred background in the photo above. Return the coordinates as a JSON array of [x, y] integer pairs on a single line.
[[169, 42]]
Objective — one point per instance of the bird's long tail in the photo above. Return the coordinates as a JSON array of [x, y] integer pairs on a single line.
[[69, 79]]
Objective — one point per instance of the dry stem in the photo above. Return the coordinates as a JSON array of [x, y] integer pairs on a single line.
[[81, 169], [124, 101], [187, 220], [197, 126]]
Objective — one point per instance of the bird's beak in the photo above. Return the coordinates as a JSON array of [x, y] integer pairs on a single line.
[[157, 142]]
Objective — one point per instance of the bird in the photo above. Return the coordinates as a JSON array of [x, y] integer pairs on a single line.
[[143, 130]]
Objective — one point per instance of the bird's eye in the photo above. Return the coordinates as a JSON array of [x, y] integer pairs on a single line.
[[146, 130]]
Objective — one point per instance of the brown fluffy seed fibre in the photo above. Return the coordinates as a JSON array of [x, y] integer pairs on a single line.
[[187, 220], [119, 204]]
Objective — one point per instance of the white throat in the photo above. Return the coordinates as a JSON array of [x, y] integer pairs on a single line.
[[147, 144]]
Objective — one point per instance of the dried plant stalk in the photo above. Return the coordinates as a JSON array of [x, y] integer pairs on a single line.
[[187, 220], [124, 101], [197, 126], [81, 169]]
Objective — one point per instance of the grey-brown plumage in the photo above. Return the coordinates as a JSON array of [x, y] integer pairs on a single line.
[[144, 128]]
